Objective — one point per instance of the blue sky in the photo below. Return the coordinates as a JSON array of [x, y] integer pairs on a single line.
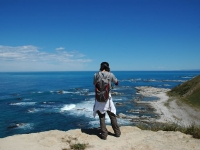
[[66, 35]]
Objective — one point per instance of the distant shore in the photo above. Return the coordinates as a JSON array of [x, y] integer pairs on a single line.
[[170, 110]]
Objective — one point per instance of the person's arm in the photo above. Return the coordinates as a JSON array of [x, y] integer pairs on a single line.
[[94, 79], [114, 79]]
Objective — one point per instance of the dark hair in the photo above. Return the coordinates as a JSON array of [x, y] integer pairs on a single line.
[[104, 66]]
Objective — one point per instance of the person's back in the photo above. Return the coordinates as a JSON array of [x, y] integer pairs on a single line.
[[102, 107]]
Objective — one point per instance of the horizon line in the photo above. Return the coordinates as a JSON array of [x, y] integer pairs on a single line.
[[98, 70]]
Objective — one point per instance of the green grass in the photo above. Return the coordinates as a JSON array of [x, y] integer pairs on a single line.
[[193, 130], [188, 92], [194, 98], [78, 146], [74, 144]]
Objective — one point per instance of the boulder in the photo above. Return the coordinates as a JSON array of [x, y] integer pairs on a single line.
[[121, 115], [119, 104], [60, 92], [115, 93]]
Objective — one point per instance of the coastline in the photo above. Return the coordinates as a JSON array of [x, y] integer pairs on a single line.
[[169, 110]]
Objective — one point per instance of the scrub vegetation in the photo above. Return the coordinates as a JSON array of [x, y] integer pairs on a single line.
[[193, 130], [188, 92]]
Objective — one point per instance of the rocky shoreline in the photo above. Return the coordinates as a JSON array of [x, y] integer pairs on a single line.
[[164, 108], [169, 110], [131, 137], [146, 106]]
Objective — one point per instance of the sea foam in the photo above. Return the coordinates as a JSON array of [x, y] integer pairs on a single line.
[[68, 107], [23, 103]]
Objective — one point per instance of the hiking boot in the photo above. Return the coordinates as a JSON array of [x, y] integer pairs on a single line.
[[117, 135], [104, 138]]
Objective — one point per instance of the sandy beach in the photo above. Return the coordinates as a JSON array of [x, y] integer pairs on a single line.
[[132, 138], [170, 110]]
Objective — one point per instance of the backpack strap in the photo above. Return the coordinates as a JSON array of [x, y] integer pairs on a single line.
[[101, 75], [108, 77]]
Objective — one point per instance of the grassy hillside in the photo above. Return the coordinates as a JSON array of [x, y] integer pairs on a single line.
[[188, 91]]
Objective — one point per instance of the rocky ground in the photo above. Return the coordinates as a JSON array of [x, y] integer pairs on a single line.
[[132, 138]]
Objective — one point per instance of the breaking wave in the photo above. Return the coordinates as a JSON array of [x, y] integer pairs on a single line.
[[68, 107]]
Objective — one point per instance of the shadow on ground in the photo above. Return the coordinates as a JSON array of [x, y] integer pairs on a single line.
[[95, 131]]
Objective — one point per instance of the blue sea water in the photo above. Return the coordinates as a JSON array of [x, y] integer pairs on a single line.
[[41, 101]]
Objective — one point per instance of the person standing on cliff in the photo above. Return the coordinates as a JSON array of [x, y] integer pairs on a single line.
[[102, 107]]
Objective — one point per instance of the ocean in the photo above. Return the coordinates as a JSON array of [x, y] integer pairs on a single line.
[[40, 101]]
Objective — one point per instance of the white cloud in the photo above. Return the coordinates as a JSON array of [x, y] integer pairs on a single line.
[[17, 53], [29, 56], [60, 48]]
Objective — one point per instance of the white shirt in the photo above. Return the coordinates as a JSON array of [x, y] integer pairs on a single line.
[[104, 106]]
